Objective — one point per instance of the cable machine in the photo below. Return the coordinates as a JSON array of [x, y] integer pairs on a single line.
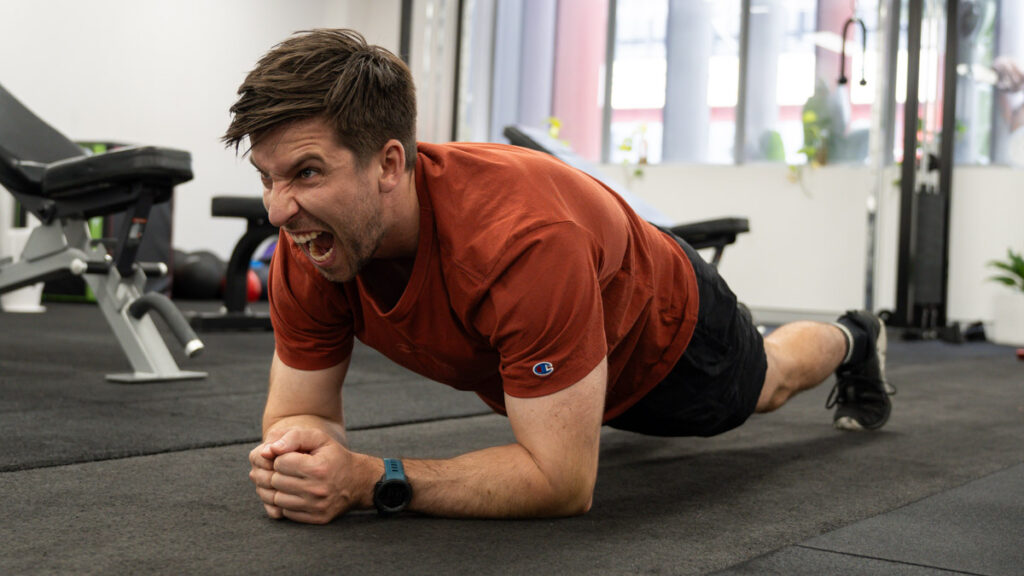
[[929, 129]]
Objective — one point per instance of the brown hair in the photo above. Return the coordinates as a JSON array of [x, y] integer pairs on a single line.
[[363, 92]]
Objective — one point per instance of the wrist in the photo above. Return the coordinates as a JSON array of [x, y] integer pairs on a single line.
[[392, 493], [372, 470]]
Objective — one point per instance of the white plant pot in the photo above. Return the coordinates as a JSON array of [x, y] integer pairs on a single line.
[[25, 299], [1008, 319]]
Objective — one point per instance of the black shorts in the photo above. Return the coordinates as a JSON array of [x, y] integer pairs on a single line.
[[715, 385]]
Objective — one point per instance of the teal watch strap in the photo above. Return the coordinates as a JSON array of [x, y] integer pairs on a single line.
[[392, 493], [393, 469]]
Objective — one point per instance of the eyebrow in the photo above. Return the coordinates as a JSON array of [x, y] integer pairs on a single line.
[[294, 165]]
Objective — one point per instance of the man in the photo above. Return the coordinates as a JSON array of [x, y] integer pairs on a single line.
[[493, 269], [1009, 83]]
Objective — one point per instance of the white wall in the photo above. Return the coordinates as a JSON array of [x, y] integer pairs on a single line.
[[988, 208], [378, 20], [806, 253], [163, 72], [806, 249]]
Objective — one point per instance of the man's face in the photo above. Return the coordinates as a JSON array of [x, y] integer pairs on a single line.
[[315, 190]]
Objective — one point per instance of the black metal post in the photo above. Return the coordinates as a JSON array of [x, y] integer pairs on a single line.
[[948, 140], [904, 314], [740, 137], [405, 31]]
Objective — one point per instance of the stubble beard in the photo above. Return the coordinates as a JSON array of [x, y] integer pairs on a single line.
[[357, 251]]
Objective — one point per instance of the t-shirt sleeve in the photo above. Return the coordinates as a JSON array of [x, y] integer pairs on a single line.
[[311, 317], [543, 311]]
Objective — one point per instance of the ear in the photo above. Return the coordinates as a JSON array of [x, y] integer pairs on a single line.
[[392, 165]]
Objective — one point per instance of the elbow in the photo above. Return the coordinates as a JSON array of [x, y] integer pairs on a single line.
[[573, 500], [582, 509], [579, 505], [553, 501]]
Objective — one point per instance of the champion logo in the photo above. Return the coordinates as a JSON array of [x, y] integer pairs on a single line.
[[543, 368]]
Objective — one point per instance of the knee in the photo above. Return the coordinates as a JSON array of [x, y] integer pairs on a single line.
[[777, 387], [773, 396]]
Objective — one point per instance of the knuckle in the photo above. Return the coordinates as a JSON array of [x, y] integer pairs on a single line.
[[318, 471]]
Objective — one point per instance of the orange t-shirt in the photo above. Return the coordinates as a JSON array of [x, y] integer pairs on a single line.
[[528, 272]]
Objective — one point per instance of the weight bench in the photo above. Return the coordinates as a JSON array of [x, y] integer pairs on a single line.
[[63, 186], [236, 313], [716, 234]]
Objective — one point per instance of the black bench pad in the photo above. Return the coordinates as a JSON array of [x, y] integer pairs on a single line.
[[248, 207], [84, 174], [709, 233]]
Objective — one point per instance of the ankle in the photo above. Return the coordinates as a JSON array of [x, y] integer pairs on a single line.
[[856, 342]]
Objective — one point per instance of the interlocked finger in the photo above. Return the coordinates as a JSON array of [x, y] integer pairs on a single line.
[[267, 497], [258, 461], [287, 484], [261, 478], [295, 464], [293, 502]]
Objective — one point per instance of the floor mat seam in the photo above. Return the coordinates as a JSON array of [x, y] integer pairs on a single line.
[[890, 560], [221, 444]]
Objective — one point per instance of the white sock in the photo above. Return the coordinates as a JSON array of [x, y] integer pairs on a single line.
[[849, 342]]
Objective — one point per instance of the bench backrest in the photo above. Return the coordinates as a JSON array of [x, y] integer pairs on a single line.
[[24, 137]]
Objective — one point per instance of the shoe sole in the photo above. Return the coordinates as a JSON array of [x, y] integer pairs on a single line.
[[880, 346], [849, 424]]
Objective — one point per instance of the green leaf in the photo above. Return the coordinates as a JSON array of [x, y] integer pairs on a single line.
[[1013, 267], [1004, 280], [1016, 260], [1001, 266]]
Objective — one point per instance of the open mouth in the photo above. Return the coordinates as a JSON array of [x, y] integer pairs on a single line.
[[319, 245]]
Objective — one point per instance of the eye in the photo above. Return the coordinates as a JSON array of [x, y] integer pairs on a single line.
[[265, 179], [307, 173]]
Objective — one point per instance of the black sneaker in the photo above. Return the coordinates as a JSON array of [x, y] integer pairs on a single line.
[[861, 394]]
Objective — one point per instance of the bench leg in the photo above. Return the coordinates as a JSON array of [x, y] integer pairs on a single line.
[[142, 343], [237, 314]]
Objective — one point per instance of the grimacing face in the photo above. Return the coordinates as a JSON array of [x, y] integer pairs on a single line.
[[316, 191]]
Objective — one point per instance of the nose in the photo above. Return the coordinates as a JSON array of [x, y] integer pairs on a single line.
[[280, 204]]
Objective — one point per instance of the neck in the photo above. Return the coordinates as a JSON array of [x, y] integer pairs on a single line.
[[402, 236]]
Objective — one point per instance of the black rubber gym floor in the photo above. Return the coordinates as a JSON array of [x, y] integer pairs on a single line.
[[109, 478]]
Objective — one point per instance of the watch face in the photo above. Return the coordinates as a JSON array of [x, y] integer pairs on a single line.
[[392, 495]]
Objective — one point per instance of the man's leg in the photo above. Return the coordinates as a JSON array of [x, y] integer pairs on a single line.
[[802, 355]]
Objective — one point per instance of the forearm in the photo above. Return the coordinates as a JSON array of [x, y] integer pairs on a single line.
[[1017, 118], [303, 473], [305, 399], [499, 482], [550, 470]]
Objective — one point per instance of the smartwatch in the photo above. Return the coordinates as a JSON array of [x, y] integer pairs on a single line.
[[392, 493]]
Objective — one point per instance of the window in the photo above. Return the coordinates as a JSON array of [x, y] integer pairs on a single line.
[[679, 87], [675, 81], [990, 101], [796, 108], [638, 81]]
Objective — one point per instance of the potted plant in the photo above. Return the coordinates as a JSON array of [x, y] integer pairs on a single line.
[[1008, 324]]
